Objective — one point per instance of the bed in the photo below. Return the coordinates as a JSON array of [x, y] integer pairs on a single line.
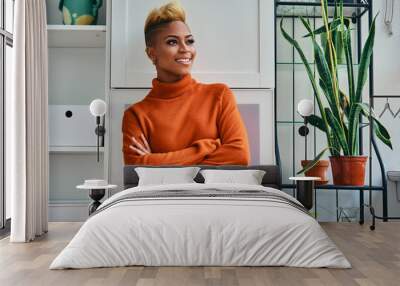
[[198, 224]]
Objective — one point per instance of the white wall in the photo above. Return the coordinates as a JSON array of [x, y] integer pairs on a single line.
[[387, 60], [236, 48], [387, 81]]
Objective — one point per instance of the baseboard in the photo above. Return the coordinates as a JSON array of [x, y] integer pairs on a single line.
[[68, 211]]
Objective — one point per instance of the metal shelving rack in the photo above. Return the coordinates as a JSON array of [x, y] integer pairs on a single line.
[[312, 9]]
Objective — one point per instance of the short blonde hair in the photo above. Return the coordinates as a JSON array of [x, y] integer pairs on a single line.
[[161, 16]]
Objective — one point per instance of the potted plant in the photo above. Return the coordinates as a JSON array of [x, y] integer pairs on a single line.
[[339, 110], [319, 169], [305, 108]]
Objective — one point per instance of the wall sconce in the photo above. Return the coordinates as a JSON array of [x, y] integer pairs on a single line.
[[98, 108], [305, 108]]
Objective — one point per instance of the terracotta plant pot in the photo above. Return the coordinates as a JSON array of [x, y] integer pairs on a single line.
[[319, 170], [348, 170]]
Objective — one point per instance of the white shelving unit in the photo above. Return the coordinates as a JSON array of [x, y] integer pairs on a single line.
[[77, 68], [76, 36]]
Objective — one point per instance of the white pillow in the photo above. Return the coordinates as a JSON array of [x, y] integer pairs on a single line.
[[249, 177], [163, 176]]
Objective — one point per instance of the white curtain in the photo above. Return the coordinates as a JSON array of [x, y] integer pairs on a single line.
[[27, 156]]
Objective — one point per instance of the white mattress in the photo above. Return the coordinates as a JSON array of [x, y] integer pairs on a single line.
[[200, 231]]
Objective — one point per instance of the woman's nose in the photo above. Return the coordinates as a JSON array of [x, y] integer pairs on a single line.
[[183, 47]]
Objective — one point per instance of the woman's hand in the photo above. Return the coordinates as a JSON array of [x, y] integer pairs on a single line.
[[141, 149]]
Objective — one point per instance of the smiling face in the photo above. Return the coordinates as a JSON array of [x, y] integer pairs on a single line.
[[172, 51]]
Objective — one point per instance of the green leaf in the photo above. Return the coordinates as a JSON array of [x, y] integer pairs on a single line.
[[345, 40], [354, 120], [313, 162], [324, 88], [324, 7], [349, 62], [335, 147], [379, 130], [365, 61], [382, 133], [344, 103], [336, 35], [330, 54], [338, 131], [332, 26], [324, 72], [335, 12], [317, 121]]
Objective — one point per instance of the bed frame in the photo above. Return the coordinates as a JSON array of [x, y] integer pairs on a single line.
[[272, 177]]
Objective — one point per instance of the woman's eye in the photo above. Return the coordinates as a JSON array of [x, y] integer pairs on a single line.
[[172, 42], [190, 41]]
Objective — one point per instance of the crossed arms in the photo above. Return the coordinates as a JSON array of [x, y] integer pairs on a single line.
[[230, 149]]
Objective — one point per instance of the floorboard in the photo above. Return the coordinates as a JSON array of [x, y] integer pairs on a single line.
[[374, 255]]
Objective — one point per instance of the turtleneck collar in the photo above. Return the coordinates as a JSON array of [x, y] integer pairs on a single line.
[[172, 89]]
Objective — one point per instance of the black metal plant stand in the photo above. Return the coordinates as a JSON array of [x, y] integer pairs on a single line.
[[354, 9]]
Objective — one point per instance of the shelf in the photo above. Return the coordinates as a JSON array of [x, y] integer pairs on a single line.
[[312, 8], [362, 124], [289, 122], [312, 64], [74, 149], [337, 187], [76, 36], [386, 96], [296, 65]]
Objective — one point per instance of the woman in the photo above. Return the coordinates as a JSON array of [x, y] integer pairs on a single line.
[[181, 121]]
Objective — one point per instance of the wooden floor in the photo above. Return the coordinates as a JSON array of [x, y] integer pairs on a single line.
[[375, 257]]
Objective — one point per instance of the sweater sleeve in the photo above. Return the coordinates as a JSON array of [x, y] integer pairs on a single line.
[[235, 146], [192, 155]]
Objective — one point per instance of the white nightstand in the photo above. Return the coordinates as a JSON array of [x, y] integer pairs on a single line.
[[97, 190]]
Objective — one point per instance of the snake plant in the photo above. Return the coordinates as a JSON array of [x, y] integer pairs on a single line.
[[340, 112]]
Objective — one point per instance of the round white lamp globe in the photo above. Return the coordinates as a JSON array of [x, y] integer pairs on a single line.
[[98, 107], [305, 107]]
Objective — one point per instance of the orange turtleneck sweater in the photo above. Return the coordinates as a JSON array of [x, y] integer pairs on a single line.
[[186, 123]]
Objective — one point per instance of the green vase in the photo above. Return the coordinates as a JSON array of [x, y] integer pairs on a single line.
[[80, 12]]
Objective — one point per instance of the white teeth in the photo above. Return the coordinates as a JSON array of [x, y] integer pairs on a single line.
[[183, 61]]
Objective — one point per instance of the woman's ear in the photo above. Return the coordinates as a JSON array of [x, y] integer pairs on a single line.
[[151, 54]]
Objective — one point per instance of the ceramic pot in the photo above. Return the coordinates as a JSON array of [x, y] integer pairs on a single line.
[[82, 12], [348, 170], [319, 170]]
